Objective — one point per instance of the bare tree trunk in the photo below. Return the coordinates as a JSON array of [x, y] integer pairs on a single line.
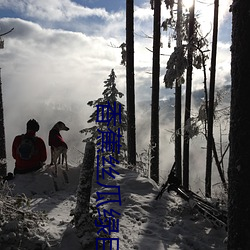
[[178, 157], [81, 214], [154, 169], [188, 98], [211, 102], [239, 159], [3, 161], [131, 131], [217, 162]]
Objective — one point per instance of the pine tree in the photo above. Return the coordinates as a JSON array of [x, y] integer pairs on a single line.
[[110, 96], [188, 53]]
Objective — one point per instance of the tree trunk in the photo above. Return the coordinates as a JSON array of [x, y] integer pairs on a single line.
[[3, 161], [239, 159], [83, 193], [178, 100], [188, 98], [211, 102], [218, 164], [154, 169], [131, 131]]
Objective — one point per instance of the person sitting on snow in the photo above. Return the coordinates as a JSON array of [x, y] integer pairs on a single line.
[[29, 150]]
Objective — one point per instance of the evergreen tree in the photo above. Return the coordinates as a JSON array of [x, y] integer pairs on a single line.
[[110, 97], [187, 54]]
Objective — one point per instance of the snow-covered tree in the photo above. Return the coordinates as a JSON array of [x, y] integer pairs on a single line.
[[109, 99], [188, 53]]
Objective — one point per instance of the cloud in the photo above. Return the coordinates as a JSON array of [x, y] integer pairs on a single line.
[[56, 10], [56, 62], [51, 75], [205, 13], [43, 59], [47, 61], [143, 12]]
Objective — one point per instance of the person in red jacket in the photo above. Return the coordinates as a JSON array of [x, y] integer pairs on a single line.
[[29, 150]]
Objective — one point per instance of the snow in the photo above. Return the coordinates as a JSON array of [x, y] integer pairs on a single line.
[[144, 223]]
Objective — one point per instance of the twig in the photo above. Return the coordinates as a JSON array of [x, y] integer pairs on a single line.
[[7, 32]]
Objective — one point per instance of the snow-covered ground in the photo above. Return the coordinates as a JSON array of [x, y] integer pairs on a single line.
[[145, 223]]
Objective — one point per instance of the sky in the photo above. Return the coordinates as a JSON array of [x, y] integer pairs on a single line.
[[61, 51]]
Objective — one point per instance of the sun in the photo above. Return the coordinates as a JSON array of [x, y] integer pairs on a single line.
[[188, 3]]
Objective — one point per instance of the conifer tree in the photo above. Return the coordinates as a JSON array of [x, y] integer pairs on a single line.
[[110, 96], [188, 53]]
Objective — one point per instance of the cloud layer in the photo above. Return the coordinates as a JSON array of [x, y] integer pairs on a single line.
[[59, 55]]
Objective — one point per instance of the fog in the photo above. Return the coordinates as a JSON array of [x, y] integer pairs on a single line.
[[51, 69]]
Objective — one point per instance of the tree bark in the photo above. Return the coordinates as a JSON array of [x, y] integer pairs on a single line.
[[83, 193], [154, 169], [239, 159], [131, 130]]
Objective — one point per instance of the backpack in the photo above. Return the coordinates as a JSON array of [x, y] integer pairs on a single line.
[[26, 148]]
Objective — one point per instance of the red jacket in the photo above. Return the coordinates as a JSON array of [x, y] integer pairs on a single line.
[[37, 159], [55, 139]]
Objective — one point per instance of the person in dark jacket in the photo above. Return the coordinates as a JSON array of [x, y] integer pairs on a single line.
[[29, 150]]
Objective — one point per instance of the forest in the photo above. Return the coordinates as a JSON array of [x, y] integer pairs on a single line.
[[214, 118]]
